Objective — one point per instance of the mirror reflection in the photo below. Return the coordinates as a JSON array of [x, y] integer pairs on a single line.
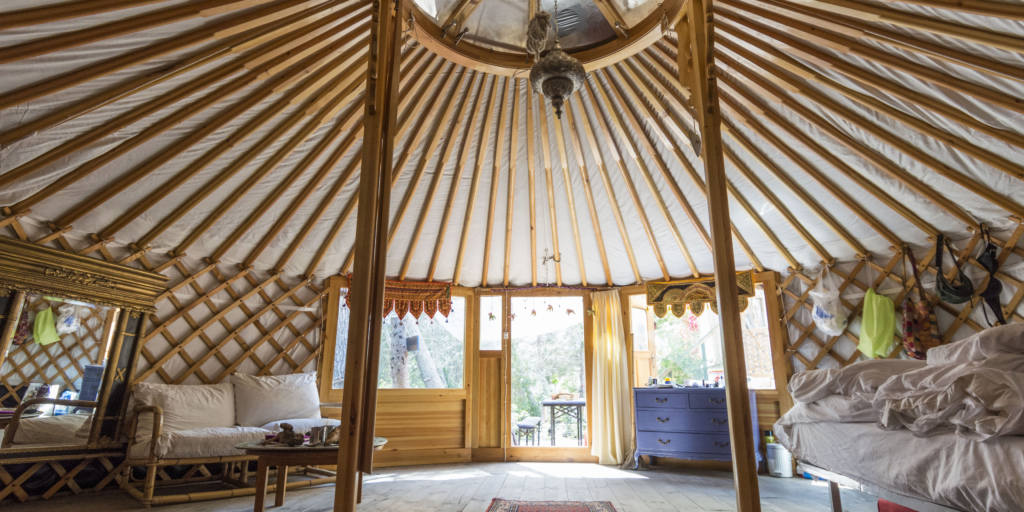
[[51, 375]]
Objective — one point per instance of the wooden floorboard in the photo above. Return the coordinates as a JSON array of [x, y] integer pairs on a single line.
[[471, 488]]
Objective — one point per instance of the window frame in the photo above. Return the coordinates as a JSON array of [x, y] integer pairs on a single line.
[[328, 394]]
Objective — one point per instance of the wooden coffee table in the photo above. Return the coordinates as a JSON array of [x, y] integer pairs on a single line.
[[282, 457]]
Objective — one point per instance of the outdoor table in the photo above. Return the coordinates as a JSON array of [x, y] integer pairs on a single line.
[[570, 408], [284, 456]]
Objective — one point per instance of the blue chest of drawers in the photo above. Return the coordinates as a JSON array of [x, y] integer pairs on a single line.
[[686, 423]]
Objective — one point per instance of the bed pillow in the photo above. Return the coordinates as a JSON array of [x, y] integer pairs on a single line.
[[261, 400], [185, 407]]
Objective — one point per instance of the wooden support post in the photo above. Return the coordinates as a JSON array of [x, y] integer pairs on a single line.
[[705, 102], [380, 119]]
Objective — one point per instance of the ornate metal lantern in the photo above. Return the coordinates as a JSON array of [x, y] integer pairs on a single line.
[[557, 75]]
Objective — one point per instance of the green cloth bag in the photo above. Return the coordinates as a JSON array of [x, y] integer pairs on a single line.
[[877, 325], [45, 328]]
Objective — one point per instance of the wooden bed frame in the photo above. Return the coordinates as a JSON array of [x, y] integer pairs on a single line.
[[835, 480]]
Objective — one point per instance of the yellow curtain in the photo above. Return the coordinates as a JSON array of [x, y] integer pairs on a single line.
[[612, 428]]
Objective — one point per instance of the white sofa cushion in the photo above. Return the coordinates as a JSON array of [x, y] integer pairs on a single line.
[[261, 400], [185, 407], [301, 425], [200, 443], [52, 430]]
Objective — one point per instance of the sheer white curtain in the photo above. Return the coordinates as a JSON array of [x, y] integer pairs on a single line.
[[612, 428]]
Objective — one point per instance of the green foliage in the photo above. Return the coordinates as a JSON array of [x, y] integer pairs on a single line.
[[447, 351], [543, 365], [678, 349]]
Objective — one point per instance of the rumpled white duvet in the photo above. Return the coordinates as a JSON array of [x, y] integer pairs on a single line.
[[974, 387]]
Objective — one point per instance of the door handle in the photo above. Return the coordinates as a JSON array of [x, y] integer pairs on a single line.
[[660, 400], [665, 442], [718, 401], [719, 422], [720, 444], [662, 420]]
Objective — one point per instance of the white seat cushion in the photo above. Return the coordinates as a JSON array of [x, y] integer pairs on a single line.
[[301, 425], [52, 430], [185, 407], [261, 400], [205, 442]]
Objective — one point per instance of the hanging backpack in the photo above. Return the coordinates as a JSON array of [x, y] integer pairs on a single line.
[[991, 293], [920, 329], [828, 311], [948, 292]]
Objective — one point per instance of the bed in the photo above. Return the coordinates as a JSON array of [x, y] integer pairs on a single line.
[[943, 470]]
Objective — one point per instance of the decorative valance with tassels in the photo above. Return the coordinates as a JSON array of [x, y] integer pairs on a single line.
[[409, 297], [695, 293]]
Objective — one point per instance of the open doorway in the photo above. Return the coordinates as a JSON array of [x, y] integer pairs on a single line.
[[548, 371]]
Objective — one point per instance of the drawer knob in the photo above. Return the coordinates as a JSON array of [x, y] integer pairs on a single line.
[[660, 400], [667, 442], [719, 422], [662, 420], [721, 444], [716, 401]]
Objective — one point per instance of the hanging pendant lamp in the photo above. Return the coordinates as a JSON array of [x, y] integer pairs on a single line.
[[557, 75]]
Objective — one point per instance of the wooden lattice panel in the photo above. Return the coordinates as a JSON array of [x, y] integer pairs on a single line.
[[214, 320], [810, 348], [61, 363], [14, 478]]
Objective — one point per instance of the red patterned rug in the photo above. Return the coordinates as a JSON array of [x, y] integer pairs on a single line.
[[499, 505]]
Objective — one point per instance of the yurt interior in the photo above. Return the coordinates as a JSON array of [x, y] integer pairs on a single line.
[[512, 255]]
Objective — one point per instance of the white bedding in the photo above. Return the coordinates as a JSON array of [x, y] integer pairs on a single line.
[[945, 469]]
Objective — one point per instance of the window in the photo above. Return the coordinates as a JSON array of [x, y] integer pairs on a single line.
[[490, 322], [691, 347], [423, 353]]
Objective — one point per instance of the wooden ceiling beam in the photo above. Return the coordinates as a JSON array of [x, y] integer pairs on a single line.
[[513, 155], [453, 188], [655, 52], [571, 205], [870, 80], [461, 13], [150, 132], [69, 10], [587, 192], [474, 186], [448, 145], [641, 95], [927, 24], [644, 173], [531, 161], [878, 160], [950, 139], [940, 168], [546, 154], [905, 42], [595, 151], [499, 150], [853, 47], [74, 39], [198, 36], [436, 140], [611, 143]]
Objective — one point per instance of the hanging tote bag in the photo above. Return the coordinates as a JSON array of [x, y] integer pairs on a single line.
[[994, 288], [920, 329], [828, 311], [877, 325], [951, 293], [45, 329]]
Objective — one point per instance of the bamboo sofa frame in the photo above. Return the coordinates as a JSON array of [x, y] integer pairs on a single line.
[[234, 470], [12, 428]]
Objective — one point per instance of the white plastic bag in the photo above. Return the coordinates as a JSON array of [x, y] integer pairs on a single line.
[[828, 311], [68, 321]]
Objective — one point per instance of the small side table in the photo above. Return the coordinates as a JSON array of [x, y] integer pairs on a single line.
[[284, 456], [571, 408]]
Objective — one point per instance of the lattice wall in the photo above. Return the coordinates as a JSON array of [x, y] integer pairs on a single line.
[[811, 348], [215, 320]]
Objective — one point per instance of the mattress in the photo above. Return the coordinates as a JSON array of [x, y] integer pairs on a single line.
[[944, 469]]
